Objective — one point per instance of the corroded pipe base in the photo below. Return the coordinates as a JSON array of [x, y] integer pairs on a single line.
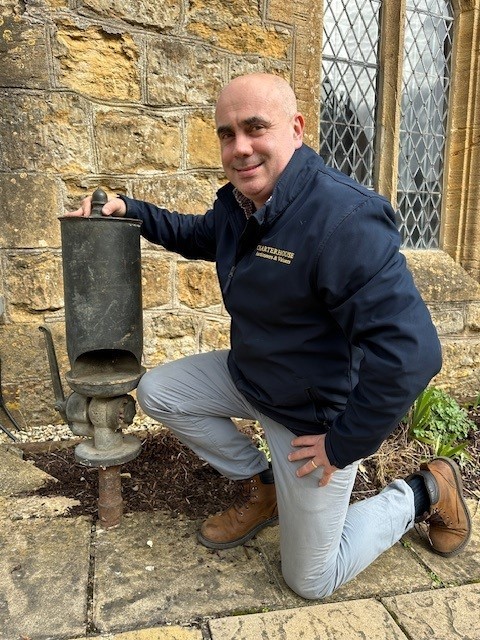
[[110, 502]]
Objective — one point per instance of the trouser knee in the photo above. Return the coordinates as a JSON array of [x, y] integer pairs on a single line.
[[149, 396], [314, 588]]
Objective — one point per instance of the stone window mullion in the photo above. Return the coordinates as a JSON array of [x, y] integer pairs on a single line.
[[460, 227], [389, 89]]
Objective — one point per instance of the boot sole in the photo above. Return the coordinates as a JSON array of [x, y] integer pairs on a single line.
[[211, 544], [459, 484]]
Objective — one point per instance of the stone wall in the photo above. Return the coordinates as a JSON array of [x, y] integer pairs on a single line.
[[121, 94], [453, 298]]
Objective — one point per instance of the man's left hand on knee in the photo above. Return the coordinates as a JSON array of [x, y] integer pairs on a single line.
[[313, 448]]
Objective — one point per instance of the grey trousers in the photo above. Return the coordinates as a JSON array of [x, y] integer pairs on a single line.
[[324, 541]]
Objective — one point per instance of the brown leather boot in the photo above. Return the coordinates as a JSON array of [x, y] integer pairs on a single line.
[[448, 519], [254, 509]]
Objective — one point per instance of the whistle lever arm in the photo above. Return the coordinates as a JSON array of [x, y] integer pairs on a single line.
[[60, 402]]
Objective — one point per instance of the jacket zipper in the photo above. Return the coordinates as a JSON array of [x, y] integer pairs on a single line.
[[229, 279], [242, 248]]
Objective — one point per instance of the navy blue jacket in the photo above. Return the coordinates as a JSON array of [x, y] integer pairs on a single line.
[[328, 331]]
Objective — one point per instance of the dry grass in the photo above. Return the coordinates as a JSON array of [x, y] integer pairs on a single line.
[[397, 457]]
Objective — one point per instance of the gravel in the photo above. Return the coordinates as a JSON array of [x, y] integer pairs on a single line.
[[61, 432]]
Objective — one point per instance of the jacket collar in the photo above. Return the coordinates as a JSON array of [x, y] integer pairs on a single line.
[[292, 180]]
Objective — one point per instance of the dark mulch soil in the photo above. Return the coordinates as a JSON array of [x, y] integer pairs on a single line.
[[168, 477]]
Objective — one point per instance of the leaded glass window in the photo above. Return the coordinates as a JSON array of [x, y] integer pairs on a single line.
[[426, 82], [349, 78]]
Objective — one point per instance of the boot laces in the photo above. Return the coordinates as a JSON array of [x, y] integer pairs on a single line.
[[440, 518], [244, 496]]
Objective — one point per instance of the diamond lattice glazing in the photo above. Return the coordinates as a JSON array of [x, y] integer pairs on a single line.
[[424, 108], [350, 67]]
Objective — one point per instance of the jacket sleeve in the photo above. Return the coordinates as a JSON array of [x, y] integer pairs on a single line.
[[370, 293], [190, 235]]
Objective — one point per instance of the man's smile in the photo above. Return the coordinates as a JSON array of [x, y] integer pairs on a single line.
[[245, 171]]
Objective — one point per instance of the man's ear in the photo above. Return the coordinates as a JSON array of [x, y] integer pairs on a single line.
[[298, 129]]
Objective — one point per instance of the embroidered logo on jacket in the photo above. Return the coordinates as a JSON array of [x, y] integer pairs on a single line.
[[272, 253]]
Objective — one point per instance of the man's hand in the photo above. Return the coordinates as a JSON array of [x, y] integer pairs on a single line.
[[114, 207], [313, 448]]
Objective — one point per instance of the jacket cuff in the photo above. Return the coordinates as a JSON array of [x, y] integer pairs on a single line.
[[332, 458], [131, 205]]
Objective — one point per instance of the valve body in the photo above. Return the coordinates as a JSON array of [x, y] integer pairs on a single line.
[[104, 334]]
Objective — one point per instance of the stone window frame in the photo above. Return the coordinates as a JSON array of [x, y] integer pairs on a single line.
[[460, 214]]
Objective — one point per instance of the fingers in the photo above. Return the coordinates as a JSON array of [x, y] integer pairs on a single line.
[[84, 210], [304, 445], [310, 466], [114, 207], [77, 212], [313, 448], [307, 468], [325, 479], [310, 446]]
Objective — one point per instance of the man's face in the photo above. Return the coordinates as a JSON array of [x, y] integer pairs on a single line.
[[257, 136]]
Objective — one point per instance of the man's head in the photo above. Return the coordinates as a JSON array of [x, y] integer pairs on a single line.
[[259, 128]]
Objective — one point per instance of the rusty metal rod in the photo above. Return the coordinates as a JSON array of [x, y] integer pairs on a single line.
[[110, 502]]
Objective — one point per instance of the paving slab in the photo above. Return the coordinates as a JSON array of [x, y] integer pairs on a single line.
[[22, 508], [152, 571], [18, 476], [398, 570], [43, 578], [460, 569], [165, 633], [444, 614], [159, 633], [354, 620]]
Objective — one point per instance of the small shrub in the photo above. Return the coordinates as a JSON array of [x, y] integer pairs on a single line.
[[436, 419]]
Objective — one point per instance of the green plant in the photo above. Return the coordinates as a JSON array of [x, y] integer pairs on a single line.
[[260, 441], [450, 449], [436, 580], [436, 419], [435, 414], [419, 413]]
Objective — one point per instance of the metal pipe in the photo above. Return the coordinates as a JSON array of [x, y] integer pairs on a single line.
[[110, 501]]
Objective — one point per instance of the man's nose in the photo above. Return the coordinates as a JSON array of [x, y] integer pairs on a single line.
[[243, 145]]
